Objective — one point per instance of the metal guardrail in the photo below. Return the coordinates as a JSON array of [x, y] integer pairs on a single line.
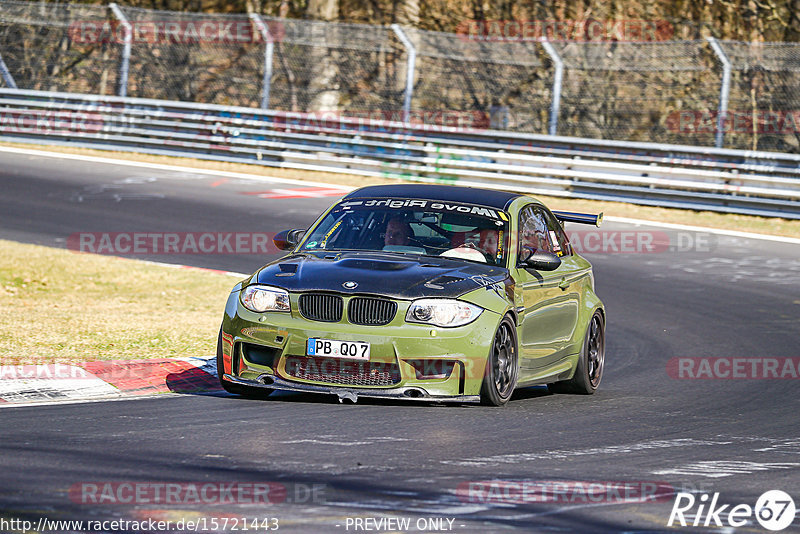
[[732, 181], [645, 86]]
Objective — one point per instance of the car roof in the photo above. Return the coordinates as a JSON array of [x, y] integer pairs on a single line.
[[469, 195]]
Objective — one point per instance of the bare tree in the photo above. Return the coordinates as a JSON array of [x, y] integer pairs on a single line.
[[323, 88], [406, 12]]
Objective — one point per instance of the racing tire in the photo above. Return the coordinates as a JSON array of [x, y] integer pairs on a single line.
[[236, 389], [502, 366], [591, 361]]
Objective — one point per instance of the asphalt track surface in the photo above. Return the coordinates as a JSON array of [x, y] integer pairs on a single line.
[[727, 297]]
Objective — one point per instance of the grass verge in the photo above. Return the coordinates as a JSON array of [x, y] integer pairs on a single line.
[[60, 306], [709, 219]]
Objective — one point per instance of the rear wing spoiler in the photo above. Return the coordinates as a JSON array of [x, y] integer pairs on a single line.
[[583, 218]]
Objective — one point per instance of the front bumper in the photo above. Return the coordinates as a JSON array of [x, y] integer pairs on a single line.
[[396, 350]]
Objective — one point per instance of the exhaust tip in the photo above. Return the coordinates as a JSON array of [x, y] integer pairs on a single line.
[[413, 393], [267, 381]]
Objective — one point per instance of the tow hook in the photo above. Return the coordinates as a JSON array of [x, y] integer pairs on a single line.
[[347, 395]]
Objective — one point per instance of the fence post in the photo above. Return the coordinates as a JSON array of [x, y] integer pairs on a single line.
[[724, 90], [555, 104], [269, 50], [412, 60], [122, 89], [6, 74]]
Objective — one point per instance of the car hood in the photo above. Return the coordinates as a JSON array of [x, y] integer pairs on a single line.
[[402, 276]]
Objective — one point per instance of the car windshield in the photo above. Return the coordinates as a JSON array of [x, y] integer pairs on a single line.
[[414, 226]]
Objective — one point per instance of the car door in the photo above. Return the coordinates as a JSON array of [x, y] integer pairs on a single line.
[[550, 306]]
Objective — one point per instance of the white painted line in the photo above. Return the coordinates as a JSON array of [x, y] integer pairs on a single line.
[[38, 385], [209, 365], [616, 450], [22, 390], [115, 398], [190, 267], [176, 168], [724, 468], [733, 233], [344, 188]]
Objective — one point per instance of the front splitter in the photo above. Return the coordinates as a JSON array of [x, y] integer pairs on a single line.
[[351, 394]]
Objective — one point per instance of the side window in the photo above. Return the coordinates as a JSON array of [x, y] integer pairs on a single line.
[[558, 237], [533, 231]]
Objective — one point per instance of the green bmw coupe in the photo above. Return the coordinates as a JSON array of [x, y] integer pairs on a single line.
[[420, 292]]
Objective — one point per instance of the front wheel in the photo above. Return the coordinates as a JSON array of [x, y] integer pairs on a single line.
[[590, 362], [502, 366]]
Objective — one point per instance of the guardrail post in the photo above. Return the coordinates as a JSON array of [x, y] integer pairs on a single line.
[[724, 90], [122, 89], [6, 74], [269, 50], [412, 60], [555, 104]]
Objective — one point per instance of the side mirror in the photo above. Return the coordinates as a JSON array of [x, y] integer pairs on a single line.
[[288, 239], [539, 260]]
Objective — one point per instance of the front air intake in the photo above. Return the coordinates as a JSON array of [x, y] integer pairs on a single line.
[[371, 311], [321, 307]]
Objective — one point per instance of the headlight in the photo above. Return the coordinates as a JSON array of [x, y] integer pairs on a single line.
[[265, 298], [442, 312]]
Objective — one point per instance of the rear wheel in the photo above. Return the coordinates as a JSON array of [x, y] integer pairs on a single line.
[[590, 363], [502, 366], [236, 389]]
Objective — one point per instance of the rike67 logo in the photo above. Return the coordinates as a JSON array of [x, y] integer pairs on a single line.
[[774, 510]]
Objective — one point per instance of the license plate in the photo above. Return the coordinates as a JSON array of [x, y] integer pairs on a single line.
[[330, 348]]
